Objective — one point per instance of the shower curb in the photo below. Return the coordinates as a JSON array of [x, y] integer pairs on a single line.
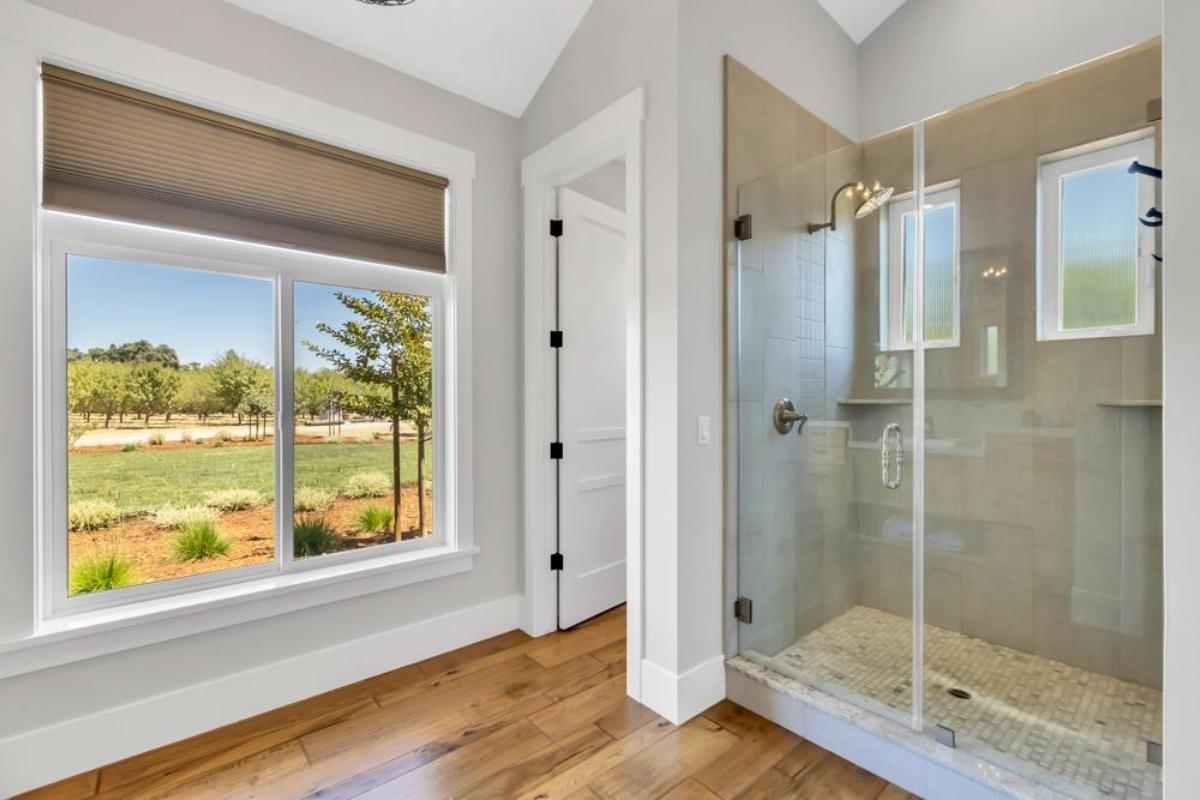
[[887, 748]]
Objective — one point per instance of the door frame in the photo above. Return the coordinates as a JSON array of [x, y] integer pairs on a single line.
[[613, 133]]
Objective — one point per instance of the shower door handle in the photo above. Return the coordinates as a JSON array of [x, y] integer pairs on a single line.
[[888, 458]]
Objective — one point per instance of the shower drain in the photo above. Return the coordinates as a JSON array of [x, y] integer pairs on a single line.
[[961, 694]]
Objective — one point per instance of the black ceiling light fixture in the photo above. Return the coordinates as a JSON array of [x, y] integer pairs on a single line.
[[386, 2]]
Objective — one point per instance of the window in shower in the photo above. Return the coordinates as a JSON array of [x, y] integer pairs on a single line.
[[1095, 262], [941, 269]]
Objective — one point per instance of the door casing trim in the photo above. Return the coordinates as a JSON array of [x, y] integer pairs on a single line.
[[615, 133]]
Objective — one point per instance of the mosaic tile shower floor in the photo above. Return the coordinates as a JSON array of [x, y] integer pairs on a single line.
[[1078, 731]]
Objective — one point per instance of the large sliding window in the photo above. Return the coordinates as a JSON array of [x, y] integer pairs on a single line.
[[244, 364]]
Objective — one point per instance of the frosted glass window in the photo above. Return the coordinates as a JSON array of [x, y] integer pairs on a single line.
[[941, 270], [1096, 269]]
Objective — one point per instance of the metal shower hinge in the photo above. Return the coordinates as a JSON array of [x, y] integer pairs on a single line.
[[944, 735], [743, 228], [743, 610]]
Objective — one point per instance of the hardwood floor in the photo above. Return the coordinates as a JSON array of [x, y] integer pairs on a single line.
[[510, 717]]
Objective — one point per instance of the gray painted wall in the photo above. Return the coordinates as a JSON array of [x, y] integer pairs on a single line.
[[675, 51], [934, 55], [222, 34], [605, 184]]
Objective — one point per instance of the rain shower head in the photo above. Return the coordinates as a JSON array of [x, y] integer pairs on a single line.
[[873, 200]]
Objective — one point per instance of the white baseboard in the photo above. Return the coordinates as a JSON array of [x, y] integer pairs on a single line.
[[45, 755], [678, 698]]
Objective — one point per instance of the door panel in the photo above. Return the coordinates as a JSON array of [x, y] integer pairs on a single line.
[[592, 296]]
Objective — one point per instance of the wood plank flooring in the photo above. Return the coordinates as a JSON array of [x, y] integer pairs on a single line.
[[510, 717]]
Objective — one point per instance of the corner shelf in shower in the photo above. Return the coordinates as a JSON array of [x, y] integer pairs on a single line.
[[1130, 403], [875, 401]]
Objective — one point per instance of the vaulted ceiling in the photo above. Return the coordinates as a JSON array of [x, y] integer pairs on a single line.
[[859, 18], [495, 52]]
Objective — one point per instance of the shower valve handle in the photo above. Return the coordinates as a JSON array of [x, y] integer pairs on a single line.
[[785, 416]]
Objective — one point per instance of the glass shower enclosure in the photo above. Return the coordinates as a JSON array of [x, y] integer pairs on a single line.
[[946, 354]]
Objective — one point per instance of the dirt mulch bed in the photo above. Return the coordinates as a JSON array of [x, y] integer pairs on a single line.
[[148, 547]]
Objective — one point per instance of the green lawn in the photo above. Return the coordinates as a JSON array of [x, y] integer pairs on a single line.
[[150, 478]]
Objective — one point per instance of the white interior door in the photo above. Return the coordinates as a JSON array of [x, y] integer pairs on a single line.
[[592, 296]]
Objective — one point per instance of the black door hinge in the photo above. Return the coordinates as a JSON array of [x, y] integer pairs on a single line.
[[556, 450], [743, 610], [556, 562], [556, 338], [742, 227], [556, 227]]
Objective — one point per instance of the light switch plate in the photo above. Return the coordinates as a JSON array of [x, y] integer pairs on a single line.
[[703, 430]]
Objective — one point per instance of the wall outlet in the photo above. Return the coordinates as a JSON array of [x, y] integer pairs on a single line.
[[703, 430]]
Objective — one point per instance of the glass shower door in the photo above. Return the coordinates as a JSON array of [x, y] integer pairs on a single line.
[[1042, 537], [825, 513]]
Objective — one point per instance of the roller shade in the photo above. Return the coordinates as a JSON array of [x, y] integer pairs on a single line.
[[114, 151]]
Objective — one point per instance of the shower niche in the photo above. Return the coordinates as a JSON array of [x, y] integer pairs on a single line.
[[963, 540]]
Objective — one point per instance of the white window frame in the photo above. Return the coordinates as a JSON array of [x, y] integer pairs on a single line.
[[68, 234], [891, 266], [1052, 169]]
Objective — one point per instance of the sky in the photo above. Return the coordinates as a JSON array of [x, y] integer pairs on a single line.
[[200, 314]]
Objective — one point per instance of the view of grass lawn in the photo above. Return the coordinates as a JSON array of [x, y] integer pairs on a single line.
[[147, 479], [171, 458]]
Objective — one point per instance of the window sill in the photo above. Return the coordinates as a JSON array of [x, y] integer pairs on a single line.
[[95, 633]]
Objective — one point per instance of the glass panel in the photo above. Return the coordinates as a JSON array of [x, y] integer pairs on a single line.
[[1098, 229], [170, 391], [824, 548], [364, 422], [1042, 532]]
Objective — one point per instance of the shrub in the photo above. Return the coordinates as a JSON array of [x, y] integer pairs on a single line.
[[75, 432], [374, 518], [233, 499], [312, 498], [199, 541], [221, 437], [100, 572], [367, 484], [173, 518], [218, 442], [155, 439], [186, 437], [131, 447], [312, 536], [92, 515]]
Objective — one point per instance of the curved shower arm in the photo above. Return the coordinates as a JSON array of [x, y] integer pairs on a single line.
[[813, 227]]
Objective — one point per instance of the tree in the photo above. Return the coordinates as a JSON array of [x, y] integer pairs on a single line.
[[258, 402], [131, 352], [379, 350], [416, 387], [152, 389], [97, 387], [197, 394], [233, 376]]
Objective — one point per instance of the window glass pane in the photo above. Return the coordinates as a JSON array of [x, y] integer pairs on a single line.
[[170, 392], [364, 418], [1098, 248], [939, 273]]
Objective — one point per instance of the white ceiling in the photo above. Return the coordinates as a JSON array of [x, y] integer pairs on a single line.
[[496, 52], [859, 17]]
